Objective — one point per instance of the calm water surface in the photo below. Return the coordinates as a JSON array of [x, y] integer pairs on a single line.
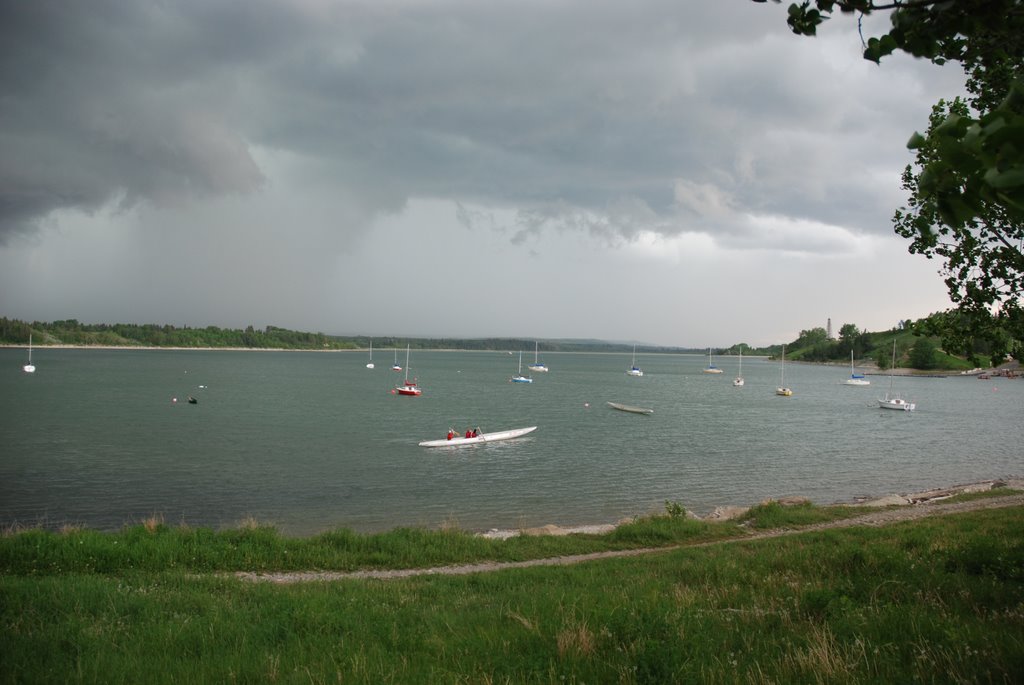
[[310, 441]]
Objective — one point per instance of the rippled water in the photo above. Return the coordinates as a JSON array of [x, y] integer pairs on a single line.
[[309, 441]]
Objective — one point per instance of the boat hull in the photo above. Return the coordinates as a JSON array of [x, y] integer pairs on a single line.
[[482, 438], [630, 408], [856, 381], [896, 403]]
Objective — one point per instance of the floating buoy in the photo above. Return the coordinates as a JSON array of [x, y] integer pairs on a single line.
[[586, 405], [173, 400]]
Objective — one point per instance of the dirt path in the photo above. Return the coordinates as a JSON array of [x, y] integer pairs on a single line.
[[874, 518]]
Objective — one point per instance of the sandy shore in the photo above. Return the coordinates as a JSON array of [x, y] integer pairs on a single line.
[[929, 503], [733, 512]]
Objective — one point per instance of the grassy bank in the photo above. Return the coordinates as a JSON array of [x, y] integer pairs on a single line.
[[936, 600]]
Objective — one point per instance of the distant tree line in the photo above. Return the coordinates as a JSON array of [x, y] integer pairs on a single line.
[[916, 343], [73, 332]]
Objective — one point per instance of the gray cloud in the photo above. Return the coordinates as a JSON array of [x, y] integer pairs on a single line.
[[586, 106], [263, 158]]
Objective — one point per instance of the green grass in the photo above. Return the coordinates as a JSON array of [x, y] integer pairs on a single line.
[[155, 547], [774, 515], [937, 600]]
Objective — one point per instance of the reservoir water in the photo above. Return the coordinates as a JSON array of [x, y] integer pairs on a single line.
[[310, 441]]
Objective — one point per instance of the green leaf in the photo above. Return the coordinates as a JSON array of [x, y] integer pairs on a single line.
[[917, 141], [1002, 180]]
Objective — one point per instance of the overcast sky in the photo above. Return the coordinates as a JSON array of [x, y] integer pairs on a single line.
[[677, 172]]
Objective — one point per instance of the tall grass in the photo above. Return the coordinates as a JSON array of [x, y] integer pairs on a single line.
[[937, 600], [154, 546]]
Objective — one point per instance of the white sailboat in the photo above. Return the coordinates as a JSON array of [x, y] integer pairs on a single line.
[[855, 378], [711, 365], [30, 367], [396, 366], [738, 381], [894, 400], [408, 388], [634, 370], [782, 389], [370, 365], [519, 377], [537, 365]]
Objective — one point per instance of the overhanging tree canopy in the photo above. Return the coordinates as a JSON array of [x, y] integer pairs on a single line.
[[966, 202]]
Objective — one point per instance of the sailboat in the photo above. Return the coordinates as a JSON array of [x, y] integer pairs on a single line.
[[634, 370], [711, 365], [782, 389], [855, 378], [30, 367], [370, 365], [408, 388], [537, 365], [396, 366], [738, 381], [519, 377], [893, 400]]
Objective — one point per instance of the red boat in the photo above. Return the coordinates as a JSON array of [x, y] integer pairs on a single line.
[[408, 387]]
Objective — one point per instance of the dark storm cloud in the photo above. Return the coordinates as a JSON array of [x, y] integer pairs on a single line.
[[580, 115]]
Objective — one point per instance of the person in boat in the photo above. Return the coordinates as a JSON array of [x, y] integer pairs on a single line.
[[476, 432], [469, 433], [451, 434]]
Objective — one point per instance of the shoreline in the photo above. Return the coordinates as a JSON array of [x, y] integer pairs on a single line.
[[727, 513], [870, 370]]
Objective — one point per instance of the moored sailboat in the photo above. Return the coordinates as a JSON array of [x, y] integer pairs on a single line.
[[711, 368], [895, 400], [634, 370], [408, 388], [855, 378], [738, 381], [783, 390], [537, 365], [30, 367], [519, 377]]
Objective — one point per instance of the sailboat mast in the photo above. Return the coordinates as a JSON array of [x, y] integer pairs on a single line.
[[892, 367]]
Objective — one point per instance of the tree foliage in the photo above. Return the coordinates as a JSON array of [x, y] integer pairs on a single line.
[[922, 354], [966, 204]]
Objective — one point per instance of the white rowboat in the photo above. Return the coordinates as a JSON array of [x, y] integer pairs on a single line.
[[630, 408], [483, 437]]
